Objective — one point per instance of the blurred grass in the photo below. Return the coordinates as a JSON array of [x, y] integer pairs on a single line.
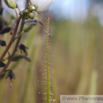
[[77, 56]]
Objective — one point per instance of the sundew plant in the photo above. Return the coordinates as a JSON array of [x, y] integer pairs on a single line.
[[27, 16]]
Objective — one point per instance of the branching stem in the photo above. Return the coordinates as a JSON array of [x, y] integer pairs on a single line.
[[11, 41]]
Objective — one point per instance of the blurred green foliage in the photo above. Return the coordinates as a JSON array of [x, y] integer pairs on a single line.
[[77, 55]]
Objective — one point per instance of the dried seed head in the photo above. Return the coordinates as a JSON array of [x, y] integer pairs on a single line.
[[23, 48], [2, 64], [2, 43], [6, 30], [10, 3], [10, 75]]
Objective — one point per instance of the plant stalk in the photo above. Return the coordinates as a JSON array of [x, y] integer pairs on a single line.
[[11, 41], [48, 74]]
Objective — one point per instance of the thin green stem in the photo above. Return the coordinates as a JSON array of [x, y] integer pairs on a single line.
[[18, 35], [48, 74], [16, 13], [30, 3], [18, 7]]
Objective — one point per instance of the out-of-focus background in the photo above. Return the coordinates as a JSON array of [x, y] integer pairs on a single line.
[[76, 53]]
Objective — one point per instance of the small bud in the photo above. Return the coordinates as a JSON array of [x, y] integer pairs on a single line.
[[31, 15], [36, 7], [21, 13], [26, 11], [31, 8], [42, 4], [28, 26], [6, 30], [2, 43], [10, 3]]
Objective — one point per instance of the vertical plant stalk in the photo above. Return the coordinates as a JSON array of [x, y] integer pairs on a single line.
[[48, 62]]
